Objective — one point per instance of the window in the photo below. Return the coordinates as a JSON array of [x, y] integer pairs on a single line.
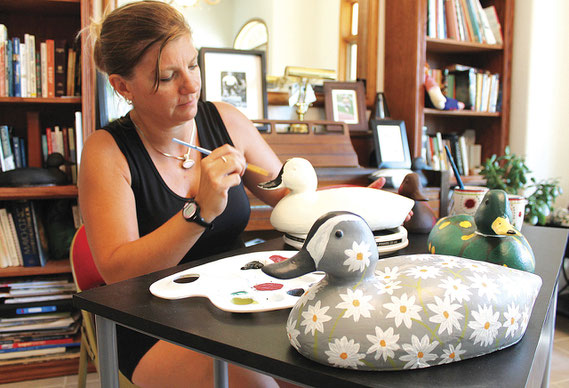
[[348, 59]]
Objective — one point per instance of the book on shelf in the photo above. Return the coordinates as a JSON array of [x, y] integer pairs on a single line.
[[463, 20], [3, 46], [50, 64], [38, 324], [494, 23], [8, 162], [5, 260], [70, 86], [431, 18], [9, 310], [60, 63], [9, 69], [487, 33], [17, 67], [27, 228], [459, 147], [9, 238], [32, 344], [57, 344], [30, 44], [23, 69], [451, 20], [30, 353]]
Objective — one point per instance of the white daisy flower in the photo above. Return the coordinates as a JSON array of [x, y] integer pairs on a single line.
[[356, 304], [420, 257], [424, 272], [486, 287], [403, 310], [314, 318], [485, 325], [455, 290], [388, 274], [445, 314], [419, 352], [384, 343], [344, 353], [310, 294], [525, 319], [513, 319], [358, 256], [388, 287], [292, 334], [450, 262], [451, 354], [476, 266]]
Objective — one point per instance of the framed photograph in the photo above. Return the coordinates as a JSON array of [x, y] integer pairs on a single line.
[[390, 141], [237, 77], [345, 101]]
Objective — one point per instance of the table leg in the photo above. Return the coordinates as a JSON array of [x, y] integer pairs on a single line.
[[107, 352], [550, 327], [220, 379]]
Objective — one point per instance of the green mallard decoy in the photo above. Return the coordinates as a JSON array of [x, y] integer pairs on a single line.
[[488, 236]]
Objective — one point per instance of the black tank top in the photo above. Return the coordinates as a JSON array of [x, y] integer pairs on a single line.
[[156, 203]]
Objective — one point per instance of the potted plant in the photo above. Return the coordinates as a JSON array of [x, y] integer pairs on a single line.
[[510, 173]]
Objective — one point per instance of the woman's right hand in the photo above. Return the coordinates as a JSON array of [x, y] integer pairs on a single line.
[[220, 170]]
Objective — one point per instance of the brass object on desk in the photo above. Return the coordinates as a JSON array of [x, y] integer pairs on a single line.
[[302, 95]]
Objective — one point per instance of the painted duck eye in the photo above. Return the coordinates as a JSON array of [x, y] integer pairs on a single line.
[[339, 233], [487, 201]]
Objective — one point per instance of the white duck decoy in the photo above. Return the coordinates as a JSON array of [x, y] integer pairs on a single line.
[[298, 210], [404, 312]]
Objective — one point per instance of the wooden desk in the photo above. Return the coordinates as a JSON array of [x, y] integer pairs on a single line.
[[259, 341]]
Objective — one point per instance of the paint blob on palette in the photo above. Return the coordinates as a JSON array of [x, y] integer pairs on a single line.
[[237, 284]]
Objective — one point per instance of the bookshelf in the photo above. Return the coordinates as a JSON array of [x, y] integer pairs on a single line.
[[408, 49], [29, 116]]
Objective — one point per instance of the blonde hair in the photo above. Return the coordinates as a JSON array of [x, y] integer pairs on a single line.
[[126, 34]]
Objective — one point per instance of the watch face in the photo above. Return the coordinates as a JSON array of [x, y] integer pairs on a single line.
[[189, 210]]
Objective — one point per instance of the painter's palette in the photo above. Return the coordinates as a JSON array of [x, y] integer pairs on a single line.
[[237, 284]]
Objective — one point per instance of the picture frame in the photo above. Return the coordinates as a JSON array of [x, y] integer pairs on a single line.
[[237, 77], [390, 142], [345, 101]]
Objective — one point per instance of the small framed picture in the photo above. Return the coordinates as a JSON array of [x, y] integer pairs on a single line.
[[345, 101], [390, 141], [237, 77]]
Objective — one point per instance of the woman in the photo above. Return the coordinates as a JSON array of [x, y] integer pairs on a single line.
[[134, 180]]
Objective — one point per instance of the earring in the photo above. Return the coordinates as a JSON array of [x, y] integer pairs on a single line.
[[129, 102]]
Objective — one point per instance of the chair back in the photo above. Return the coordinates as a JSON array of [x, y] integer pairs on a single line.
[[85, 272]]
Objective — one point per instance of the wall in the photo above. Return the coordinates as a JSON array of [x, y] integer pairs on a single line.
[[301, 33], [539, 115]]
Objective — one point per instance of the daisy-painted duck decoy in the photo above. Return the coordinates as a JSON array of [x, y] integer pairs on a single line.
[[298, 210], [488, 236], [403, 312]]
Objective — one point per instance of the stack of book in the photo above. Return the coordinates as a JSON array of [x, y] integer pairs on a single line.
[[38, 69], [37, 320], [62, 139], [465, 153], [22, 236], [463, 20], [478, 89]]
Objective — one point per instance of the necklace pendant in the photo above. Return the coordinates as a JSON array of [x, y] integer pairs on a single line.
[[188, 163]]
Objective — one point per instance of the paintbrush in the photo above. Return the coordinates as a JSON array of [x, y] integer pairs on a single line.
[[454, 169], [250, 167]]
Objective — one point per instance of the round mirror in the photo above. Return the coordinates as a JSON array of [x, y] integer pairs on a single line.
[[254, 35]]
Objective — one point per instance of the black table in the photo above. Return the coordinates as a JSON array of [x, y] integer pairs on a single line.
[[258, 341]]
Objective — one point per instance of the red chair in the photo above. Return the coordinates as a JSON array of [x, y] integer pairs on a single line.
[[87, 276]]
